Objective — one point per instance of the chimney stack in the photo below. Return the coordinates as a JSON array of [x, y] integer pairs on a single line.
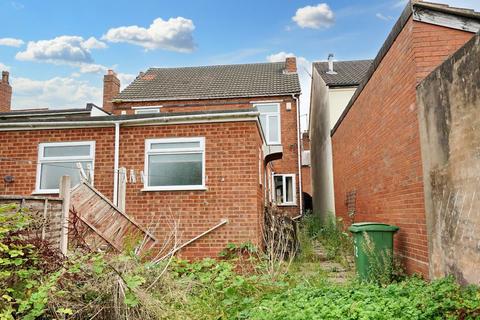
[[5, 93], [330, 64], [291, 65], [111, 88]]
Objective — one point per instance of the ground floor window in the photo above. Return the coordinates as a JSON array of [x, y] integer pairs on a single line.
[[175, 164], [284, 191], [60, 159]]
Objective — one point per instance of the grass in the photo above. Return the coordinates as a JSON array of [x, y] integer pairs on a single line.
[[103, 287]]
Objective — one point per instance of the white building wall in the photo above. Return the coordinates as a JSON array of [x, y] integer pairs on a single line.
[[338, 99], [327, 106]]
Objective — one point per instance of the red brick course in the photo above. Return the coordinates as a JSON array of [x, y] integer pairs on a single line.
[[376, 148]]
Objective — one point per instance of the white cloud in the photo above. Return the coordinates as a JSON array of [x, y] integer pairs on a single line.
[[175, 34], [383, 17], [11, 42], [4, 67], [304, 68], [92, 43], [54, 93], [316, 17], [125, 79], [63, 49]]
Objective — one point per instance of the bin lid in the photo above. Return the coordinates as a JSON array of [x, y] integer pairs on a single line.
[[372, 226]]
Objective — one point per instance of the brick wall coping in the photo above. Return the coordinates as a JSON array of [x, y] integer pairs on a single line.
[[412, 7], [19, 197]]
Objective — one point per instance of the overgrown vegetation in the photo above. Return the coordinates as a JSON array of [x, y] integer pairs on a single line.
[[37, 283], [409, 300], [331, 234]]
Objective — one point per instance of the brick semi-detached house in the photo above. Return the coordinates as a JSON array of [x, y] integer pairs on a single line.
[[376, 144], [200, 145]]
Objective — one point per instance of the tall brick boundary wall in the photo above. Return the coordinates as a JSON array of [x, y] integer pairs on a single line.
[[47, 209], [376, 147], [449, 115]]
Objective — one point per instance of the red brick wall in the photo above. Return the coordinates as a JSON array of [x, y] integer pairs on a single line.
[[288, 164], [376, 149], [232, 178], [23, 147], [232, 181]]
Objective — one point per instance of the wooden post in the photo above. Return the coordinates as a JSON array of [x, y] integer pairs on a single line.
[[65, 195], [122, 188]]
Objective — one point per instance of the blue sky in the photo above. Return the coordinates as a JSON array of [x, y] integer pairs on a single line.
[[57, 51]]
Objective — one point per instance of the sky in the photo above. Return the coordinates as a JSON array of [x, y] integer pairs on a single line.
[[58, 51]]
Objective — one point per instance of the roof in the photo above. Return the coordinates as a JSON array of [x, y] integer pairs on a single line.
[[469, 21], [113, 118], [53, 114], [212, 82], [348, 73]]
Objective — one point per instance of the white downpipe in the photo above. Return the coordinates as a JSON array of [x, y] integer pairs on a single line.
[[115, 163], [299, 159]]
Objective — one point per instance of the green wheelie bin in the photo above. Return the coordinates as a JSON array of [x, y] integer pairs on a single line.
[[381, 236]]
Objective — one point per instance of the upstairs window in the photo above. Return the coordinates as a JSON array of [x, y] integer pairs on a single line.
[[270, 121], [175, 164], [60, 159], [284, 192]]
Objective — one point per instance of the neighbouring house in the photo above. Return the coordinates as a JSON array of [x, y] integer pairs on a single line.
[[333, 85], [377, 160], [200, 148]]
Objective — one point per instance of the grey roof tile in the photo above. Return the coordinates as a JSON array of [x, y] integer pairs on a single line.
[[212, 82], [348, 73]]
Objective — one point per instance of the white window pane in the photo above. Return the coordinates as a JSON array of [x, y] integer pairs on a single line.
[[267, 107], [175, 145], [273, 129], [51, 173], [278, 191], [263, 123], [66, 151], [289, 189], [175, 170]]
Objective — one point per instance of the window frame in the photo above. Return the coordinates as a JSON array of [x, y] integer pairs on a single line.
[[294, 189], [43, 160], [149, 151], [140, 110], [266, 132]]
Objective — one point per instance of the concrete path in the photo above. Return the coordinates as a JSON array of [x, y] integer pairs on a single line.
[[336, 272]]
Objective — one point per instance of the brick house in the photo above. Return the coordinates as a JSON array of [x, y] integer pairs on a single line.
[[376, 142], [200, 145], [333, 85]]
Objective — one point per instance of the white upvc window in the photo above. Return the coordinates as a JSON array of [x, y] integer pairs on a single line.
[[147, 110], [270, 121], [284, 189], [174, 164], [60, 159]]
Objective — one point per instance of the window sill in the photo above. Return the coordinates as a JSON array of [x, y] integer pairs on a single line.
[[187, 188], [286, 205], [40, 192]]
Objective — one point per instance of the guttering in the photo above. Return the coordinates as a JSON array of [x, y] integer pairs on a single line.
[[138, 121], [115, 162], [119, 100], [299, 160]]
